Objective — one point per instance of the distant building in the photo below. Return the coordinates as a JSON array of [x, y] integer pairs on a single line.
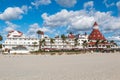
[[17, 38], [70, 42], [97, 39]]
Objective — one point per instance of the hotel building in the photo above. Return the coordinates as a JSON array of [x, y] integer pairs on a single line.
[[71, 41], [17, 38]]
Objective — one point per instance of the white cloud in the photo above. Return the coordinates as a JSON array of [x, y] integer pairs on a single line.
[[10, 26], [58, 19], [12, 13], [81, 23], [37, 3], [89, 4], [82, 20], [74, 19], [114, 38], [107, 21], [33, 28], [66, 3], [25, 8], [108, 4]]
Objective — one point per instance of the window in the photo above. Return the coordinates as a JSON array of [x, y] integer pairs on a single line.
[[20, 39], [28, 42]]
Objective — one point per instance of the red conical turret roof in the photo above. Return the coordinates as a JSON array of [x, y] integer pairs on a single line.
[[95, 24], [96, 34]]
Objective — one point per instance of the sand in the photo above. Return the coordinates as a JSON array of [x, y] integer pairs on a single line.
[[60, 67]]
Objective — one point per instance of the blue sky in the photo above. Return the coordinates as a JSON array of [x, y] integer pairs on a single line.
[[56, 17]]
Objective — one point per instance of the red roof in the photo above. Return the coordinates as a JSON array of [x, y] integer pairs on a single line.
[[95, 24], [71, 36], [96, 34], [42, 33], [19, 35]]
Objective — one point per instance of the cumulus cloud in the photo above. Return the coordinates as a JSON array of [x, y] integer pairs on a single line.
[[115, 38], [37, 3], [58, 19], [10, 26], [89, 4], [66, 3], [12, 13], [73, 19], [82, 20], [25, 8], [81, 23], [108, 4], [108, 22], [33, 28]]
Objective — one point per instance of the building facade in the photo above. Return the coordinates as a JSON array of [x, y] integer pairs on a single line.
[[69, 42], [17, 38], [98, 41], [95, 40]]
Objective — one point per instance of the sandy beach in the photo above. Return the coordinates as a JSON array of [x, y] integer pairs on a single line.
[[95, 66]]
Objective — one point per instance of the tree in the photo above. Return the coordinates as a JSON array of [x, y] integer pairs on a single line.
[[1, 38], [39, 32], [63, 39], [51, 42], [84, 45], [42, 42], [96, 44], [76, 41], [113, 43], [0, 46], [34, 44]]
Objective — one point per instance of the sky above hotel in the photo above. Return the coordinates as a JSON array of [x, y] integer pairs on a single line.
[[56, 17]]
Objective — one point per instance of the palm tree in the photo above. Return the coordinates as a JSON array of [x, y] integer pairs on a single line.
[[34, 44], [76, 41], [51, 42], [39, 32], [103, 43], [42, 42], [63, 39], [1, 38], [113, 43], [96, 44], [84, 45]]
